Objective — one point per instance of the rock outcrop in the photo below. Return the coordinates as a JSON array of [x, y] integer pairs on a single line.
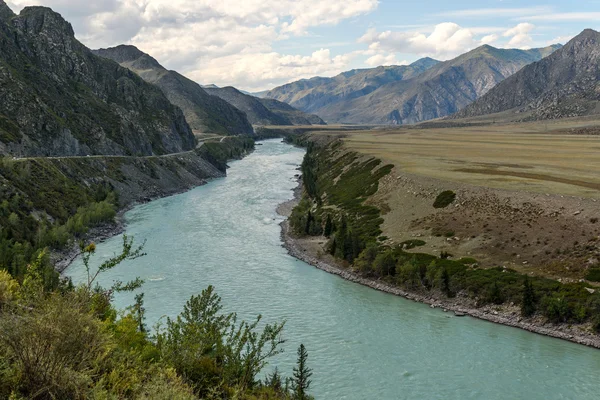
[[60, 99], [203, 112]]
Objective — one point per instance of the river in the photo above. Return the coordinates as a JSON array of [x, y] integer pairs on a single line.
[[362, 344]]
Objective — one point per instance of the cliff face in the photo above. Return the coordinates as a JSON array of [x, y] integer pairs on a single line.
[[564, 84], [203, 112], [60, 99]]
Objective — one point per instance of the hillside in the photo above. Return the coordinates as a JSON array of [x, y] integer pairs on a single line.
[[60, 99], [316, 94], [203, 112], [564, 84], [262, 111], [440, 90]]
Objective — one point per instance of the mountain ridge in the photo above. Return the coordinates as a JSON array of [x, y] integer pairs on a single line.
[[437, 90], [563, 84], [60, 99], [203, 112]]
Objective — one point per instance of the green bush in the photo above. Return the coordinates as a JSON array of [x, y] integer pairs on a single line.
[[444, 199], [593, 275]]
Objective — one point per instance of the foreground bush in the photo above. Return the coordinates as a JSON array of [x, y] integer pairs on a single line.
[[70, 343]]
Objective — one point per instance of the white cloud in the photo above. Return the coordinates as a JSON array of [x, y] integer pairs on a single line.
[[495, 12], [381, 59], [519, 35], [266, 70], [563, 17], [446, 40], [212, 40]]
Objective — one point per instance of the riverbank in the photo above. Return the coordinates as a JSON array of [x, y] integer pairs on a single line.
[[142, 180], [308, 251]]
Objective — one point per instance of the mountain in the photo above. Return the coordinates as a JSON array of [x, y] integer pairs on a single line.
[[438, 91], [316, 94], [564, 84], [263, 111], [60, 99], [203, 112]]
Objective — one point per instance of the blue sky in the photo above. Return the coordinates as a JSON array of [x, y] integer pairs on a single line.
[[258, 44]]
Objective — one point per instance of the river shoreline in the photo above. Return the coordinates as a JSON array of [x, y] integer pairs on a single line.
[[63, 258], [460, 306]]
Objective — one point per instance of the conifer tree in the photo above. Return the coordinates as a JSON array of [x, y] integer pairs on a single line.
[[528, 303], [328, 226], [301, 380]]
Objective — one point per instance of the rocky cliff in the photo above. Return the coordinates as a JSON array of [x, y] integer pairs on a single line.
[[60, 99], [203, 112]]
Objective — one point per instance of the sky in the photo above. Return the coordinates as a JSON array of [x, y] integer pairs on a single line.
[[259, 44]]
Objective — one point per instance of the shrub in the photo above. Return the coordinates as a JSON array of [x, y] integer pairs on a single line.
[[411, 244], [444, 199], [593, 275]]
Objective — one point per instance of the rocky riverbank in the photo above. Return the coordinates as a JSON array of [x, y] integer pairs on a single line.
[[307, 251]]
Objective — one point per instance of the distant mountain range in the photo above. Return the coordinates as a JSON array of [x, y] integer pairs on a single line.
[[424, 90], [58, 98], [564, 84], [264, 111]]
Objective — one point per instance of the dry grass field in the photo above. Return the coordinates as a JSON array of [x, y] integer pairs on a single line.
[[528, 194], [558, 158]]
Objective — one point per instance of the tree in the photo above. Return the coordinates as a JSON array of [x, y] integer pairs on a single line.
[[528, 303], [309, 220], [445, 282], [328, 226], [301, 380], [139, 312], [385, 263]]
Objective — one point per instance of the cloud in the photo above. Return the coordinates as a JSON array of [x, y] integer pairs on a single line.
[[563, 17], [446, 40], [519, 35], [381, 59], [495, 12], [212, 40], [265, 70]]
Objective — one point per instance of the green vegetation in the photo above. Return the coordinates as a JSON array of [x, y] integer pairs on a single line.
[[593, 274], [338, 184], [444, 199], [70, 343], [41, 207], [232, 147]]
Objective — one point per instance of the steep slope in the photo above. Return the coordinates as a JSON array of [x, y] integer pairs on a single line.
[[312, 95], [60, 99], [264, 112], [203, 112], [439, 91], [565, 84]]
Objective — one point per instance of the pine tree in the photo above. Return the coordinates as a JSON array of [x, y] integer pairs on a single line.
[[309, 220], [528, 303], [301, 380], [139, 311], [445, 282], [328, 226]]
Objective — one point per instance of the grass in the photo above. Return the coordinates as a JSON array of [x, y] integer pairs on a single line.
[[535, 157]]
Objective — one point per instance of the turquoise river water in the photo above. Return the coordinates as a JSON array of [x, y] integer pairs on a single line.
[[362, 344]]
